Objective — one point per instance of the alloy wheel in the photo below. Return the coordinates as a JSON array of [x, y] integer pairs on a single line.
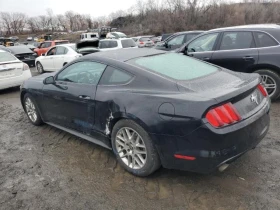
[[40, 68], [269, 84], [131, 148], [31, 110]]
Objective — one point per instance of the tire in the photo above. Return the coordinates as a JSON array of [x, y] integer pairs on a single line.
[[268, 78], [126, 153], [40, 67], [31, 110]]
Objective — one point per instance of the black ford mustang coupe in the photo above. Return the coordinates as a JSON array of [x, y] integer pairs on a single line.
[[153, 108]]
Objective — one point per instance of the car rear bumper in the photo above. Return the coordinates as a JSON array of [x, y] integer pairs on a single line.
[[15, 81], [212, 149]]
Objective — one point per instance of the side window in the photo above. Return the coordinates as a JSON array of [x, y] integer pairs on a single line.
[[178, 40], [47, 44], [60, 50], [84, 72], [237, 40], [203, 43], [264, 40], [52, 51], [190, 36], [114, 76]]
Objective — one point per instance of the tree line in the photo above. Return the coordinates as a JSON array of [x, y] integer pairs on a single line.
[[150, 17]]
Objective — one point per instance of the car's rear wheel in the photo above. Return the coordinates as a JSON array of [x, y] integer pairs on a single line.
[[32, 110], [40, 68], [271, 82], [134, 149]]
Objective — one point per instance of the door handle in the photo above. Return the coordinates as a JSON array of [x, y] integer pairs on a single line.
[[206, 59], [84, 97], [248, 58]]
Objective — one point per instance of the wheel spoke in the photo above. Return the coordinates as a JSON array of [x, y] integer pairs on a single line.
[[140, 152], [128, 133], [120, 143]]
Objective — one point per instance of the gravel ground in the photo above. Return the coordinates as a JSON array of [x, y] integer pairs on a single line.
[[46, 168]]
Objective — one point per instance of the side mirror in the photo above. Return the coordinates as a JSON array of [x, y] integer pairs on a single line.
[[49, 80], [165, 45], [43, 54]]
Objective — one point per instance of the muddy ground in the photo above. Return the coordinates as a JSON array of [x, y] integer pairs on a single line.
[[46, 168]]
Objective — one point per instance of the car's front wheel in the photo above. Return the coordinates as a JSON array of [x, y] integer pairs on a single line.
[[271, 82], [40, 68], [134, 149], [32, 110]]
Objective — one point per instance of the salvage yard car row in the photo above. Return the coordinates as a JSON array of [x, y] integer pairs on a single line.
[[107, 80]]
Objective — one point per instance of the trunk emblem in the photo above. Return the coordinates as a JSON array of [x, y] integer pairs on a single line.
[[254, 98]]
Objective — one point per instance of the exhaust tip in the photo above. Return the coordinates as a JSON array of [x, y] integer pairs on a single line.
[[223, 167]]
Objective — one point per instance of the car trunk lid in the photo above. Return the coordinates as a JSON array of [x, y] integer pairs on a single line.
[[10, 69], [226, 86]]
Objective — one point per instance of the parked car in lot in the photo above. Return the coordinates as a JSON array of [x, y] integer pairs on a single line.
[[56, 58], [92, 46], [144, 41], [249, 48], [153, 108], [30, 38], [46, 45], [12, 71], [177, 40], [23, 53], [89, 36], [115, 35]]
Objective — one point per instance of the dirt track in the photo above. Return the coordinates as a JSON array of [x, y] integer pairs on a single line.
[[46, 168]]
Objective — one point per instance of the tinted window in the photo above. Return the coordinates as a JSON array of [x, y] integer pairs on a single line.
[[126, 43], [5, 56], [107, 44], [203, 43], [264, 40], [52, 51], [190, 36], [176, 66], [237, 40], [82, 72], [60, 50], [178, 40], [62, 42], [46, 44], [114, 76], [92, 35]]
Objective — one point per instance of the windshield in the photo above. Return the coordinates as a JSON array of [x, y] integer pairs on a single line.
[[175, 66], [5, 56]]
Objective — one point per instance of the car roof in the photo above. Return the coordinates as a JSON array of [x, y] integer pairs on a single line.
[[67, 45], [188, 32], [246, 27], [123, 55]]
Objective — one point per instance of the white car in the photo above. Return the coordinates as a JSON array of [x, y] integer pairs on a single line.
[[115, 35], [113, 44], [13, 72], [144, 41], [56, 57], [29, 38]]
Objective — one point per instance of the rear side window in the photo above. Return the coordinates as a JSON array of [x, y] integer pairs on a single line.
[[237, 40], [175, 66], [190, 36], [126, 43], [107, 44], [264, 40], [114, 76]]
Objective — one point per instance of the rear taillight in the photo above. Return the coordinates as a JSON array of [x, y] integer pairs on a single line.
[[141, 42], [25, 67], [262, 90], [223, 115]]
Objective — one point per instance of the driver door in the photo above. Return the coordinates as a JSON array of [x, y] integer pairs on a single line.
[[203, 47], [48, 61], [70, 102]]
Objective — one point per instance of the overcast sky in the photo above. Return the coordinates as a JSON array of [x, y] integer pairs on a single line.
[[38, 7]]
